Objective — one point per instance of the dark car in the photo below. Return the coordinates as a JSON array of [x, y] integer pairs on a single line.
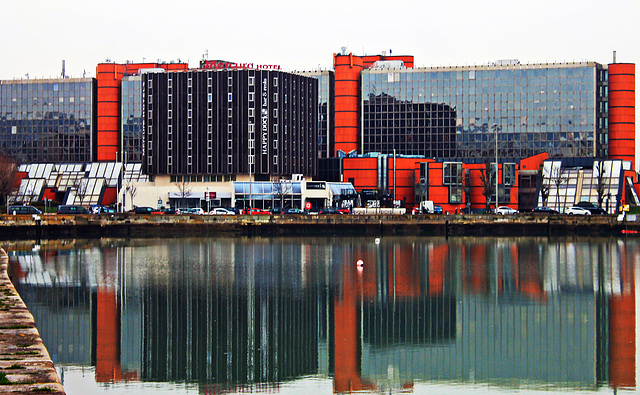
[[544, 210], [147, 210], [592, 207], [72, 209], [24, 210], [329, 210]]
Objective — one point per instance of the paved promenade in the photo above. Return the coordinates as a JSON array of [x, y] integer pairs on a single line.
[[25, 364]]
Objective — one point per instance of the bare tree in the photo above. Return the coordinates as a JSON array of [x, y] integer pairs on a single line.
[[487, 180], [466, 185], [282, 189], [544, 187], [8, 169], [558, 178], [420, 188], [601, 179], [184, 189], [81, 186], [132, 190]]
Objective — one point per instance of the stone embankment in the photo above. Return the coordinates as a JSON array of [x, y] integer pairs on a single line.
[[131, 225], [25, 364]]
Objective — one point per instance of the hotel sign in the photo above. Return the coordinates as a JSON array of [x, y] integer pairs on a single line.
[[224, 65]]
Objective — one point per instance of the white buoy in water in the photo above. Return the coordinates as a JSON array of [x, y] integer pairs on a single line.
[[377, 240], [360, 263]]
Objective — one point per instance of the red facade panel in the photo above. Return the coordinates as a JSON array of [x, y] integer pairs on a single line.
[[347, 77], [622, 112]]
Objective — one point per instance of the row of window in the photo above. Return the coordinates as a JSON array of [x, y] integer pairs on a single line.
[[202, 178]]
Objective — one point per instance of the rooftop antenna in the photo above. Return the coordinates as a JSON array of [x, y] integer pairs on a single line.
[[205, 56], [63, 72], [614, 56], [344, 50]]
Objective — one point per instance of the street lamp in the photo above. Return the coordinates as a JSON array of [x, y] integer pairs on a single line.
[[495, 130]]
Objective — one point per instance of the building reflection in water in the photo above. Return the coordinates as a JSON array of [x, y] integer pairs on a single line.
[[233, 312]]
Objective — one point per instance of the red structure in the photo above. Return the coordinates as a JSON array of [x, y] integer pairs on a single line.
[[109, 76], [347, 95], [622, 117]]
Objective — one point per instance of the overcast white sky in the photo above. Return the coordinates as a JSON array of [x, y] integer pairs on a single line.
[[303, 35]]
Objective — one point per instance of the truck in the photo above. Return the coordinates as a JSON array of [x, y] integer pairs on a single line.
[[427, 207]]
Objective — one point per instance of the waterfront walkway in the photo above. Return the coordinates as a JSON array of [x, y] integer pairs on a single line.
[[127, 225], [25, 364]]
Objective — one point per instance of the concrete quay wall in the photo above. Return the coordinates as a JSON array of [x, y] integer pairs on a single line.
[[25, 364], [131, 225]]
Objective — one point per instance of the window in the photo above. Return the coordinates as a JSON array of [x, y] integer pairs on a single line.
[[230, 96], [509, 173], [252, 96], [452, 173], [252, 112], [252, 81]]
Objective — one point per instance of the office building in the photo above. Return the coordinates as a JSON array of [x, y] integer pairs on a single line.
[[260, 123], [51, 120]]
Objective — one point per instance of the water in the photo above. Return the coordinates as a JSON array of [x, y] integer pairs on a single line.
[[298, 315]]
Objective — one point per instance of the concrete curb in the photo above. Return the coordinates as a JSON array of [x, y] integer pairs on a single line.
[[25, 364]]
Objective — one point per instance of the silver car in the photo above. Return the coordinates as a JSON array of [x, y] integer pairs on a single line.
[[504, 210], [575, 210]]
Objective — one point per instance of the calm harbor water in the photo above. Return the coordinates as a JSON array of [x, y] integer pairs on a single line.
[[299, 315]]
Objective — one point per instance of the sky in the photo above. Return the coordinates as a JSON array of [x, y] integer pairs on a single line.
[[303, 35]]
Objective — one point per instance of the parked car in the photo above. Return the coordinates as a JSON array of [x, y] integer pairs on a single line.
[[294, 211], [592, 207], [437, 209], [190, 211], [544, 210], [72, 209], [23, 209], [277, 210], [329, 210], [168, 210], [344, 210], [98, 209], [575, 210], [146, 210], [255, 211], [221, 211], [505, 210], [234, 209]]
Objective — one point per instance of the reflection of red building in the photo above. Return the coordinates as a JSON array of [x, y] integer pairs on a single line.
[[513, 273]]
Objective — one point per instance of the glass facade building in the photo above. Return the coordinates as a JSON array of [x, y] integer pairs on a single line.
[[326, 105], [131, 119], [466, 113], [47, 120]]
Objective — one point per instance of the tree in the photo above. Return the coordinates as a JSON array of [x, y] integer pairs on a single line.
[[184, 189], [282, 189], [420, 188], [544, 187], [132, 190], [558, 178], [8, 169], [81, 186], [601, 179], [487, 180]]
